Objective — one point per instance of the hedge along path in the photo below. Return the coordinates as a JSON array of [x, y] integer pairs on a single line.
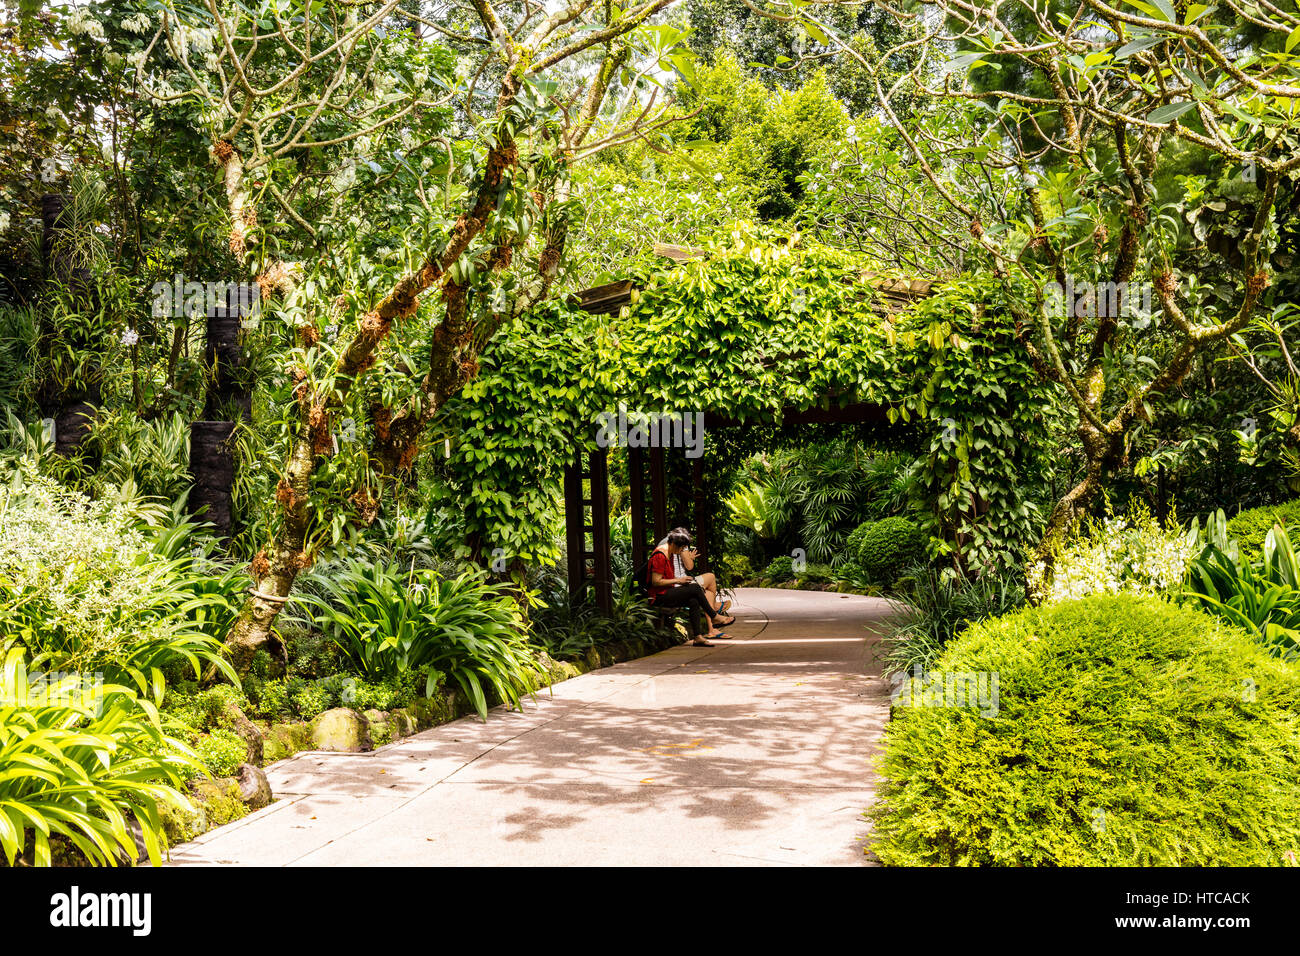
[[757, 327]]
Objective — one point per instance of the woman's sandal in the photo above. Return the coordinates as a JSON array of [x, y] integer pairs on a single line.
[[727, 623], [702, 642]]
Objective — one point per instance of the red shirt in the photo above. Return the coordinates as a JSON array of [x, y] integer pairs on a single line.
[[663, 565]]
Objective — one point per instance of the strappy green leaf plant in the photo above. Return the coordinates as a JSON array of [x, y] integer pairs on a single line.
[[1262, 598], [462, 628], [80, 762]]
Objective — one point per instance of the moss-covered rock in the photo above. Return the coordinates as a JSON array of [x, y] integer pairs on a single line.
[[254, 788], [381, 728], [285, 740], [431, 711], [341, 729], [213, 803], [403, 722]]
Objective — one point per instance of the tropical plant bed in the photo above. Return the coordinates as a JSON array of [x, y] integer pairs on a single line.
[[224, 799]]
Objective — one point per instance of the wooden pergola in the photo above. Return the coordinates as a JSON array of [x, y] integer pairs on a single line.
[[586, 478]]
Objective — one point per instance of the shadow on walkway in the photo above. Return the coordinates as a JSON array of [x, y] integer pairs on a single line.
[[753, 752]]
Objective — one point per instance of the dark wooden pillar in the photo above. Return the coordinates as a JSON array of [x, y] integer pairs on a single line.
[[71, 406], [589, 469], [636, 479], [602, 577], [574, 535], [658, 494], [703, 527]]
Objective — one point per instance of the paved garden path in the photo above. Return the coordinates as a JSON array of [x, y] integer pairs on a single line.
[[749, 753]]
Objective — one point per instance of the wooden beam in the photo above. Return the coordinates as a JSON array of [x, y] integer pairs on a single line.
[[605, 299], [679, 253], [851, 413]]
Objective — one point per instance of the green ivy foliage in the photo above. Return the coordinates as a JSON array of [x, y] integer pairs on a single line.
[[759, 326], [513, 429]]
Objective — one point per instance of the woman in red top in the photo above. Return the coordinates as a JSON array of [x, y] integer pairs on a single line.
[[667, 590]]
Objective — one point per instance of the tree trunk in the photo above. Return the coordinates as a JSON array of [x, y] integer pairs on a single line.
[[1104, 451], [275, 573]]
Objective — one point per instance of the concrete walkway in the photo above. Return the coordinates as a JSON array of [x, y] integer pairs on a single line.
[[751, 753]]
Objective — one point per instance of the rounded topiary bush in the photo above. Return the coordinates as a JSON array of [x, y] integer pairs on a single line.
[[1251, 527], [888, 546], [1127, 732], [780, 569], [853, 543]]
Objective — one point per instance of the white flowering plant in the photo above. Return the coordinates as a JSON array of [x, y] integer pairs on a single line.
[[83, 589], [1133, 554]]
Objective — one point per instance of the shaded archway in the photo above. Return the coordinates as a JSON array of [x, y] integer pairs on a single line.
[[653, 511]]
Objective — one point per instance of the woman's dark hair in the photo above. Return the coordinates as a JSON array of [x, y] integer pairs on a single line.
[[679, 537]]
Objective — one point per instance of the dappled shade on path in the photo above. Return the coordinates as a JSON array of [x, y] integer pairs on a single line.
[[747, 753]]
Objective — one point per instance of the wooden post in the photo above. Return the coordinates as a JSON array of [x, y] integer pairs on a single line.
[[658, 494], [212, 473], [72, 407], [574, 535], [636, 478], [703, 520], [602, 577], [212, 460]]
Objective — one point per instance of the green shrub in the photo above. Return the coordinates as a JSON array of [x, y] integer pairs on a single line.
[[82, 589], [310, 699], [398, 691], [1262, 598], [268, 698], [888, 546], [739, 566], [1252, 526], [567, 633], [222, 751], [780, 569], [853, 545], [815, 574], [80, 767], [388, 622], [1128, 732], [938, 607]]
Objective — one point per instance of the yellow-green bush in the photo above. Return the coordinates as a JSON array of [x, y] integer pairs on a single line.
[[1251, 527], [1128, 731]]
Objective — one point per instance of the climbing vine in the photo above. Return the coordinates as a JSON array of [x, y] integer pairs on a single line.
[[756, 327]]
